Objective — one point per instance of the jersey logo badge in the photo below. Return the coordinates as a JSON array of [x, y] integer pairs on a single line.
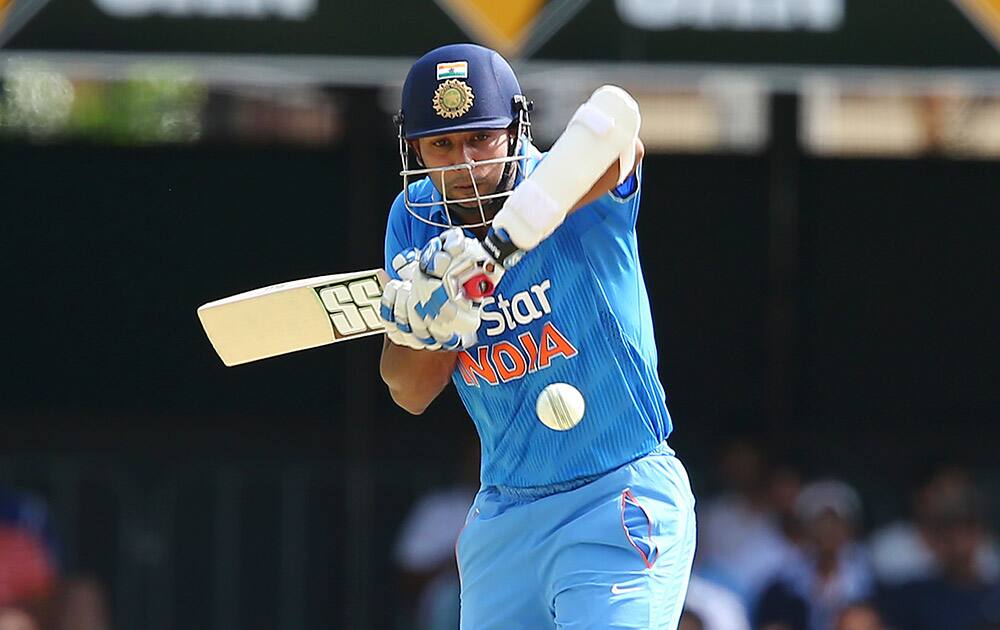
[[453, 98]]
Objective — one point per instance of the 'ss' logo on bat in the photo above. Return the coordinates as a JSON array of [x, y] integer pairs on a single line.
[[352, 305]]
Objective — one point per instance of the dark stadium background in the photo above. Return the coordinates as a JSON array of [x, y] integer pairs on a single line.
[[857, 340]]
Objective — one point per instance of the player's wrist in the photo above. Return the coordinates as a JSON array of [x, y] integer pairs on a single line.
[[501, 248], [408, 340]]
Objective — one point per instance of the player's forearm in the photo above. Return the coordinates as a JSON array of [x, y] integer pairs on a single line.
[[415, 377], [610, 179]]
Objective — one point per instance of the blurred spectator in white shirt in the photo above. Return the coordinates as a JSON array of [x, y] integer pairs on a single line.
[[425, 549], [901, 551], [741, 535], [830, 570], [714, 607], [958, 596]]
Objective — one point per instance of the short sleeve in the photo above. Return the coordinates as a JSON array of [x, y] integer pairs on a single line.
[[627, 188], [618, 210], [624, 198], [397, 234]]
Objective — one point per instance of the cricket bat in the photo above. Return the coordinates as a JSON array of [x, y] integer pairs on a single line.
[[302, 314], [294, 316]]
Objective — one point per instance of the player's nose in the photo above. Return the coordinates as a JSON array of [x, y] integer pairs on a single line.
[[468, 152]]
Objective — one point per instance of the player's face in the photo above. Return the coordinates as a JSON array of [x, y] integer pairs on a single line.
[[460, 148]]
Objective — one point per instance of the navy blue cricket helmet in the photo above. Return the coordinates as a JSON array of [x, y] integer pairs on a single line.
[[454, 88], [459, 87]]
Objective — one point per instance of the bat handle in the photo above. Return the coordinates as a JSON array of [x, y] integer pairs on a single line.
[[478, 287]]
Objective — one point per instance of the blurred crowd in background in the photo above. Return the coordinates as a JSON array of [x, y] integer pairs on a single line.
[[777, 551], [35, 592]]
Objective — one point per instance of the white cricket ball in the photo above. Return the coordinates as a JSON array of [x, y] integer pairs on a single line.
[[560, 406]]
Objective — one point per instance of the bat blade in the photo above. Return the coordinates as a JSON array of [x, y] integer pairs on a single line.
[[294, 316]]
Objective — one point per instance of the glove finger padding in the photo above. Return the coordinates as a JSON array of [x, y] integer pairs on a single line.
[[418, 326], [441, 252], [396, 318], [406, 262], [386, 311], [447, 321], [453, 241], [399, 312], [455, 324], [433, 262]]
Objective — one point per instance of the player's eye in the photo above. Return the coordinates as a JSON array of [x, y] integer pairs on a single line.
[[442, 143], [481, 137]]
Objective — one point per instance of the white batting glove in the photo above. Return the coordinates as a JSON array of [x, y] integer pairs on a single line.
[[397, 310], [446, 262], [458, 259]]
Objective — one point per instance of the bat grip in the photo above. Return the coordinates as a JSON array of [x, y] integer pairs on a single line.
[[478, 287]]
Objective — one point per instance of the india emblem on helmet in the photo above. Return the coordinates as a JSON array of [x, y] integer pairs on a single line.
[[453, 98]]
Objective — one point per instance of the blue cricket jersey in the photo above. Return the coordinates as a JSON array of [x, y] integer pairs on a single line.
[[573, 310]]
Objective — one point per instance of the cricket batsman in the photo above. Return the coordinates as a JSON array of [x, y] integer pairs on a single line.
[[515, 275]]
